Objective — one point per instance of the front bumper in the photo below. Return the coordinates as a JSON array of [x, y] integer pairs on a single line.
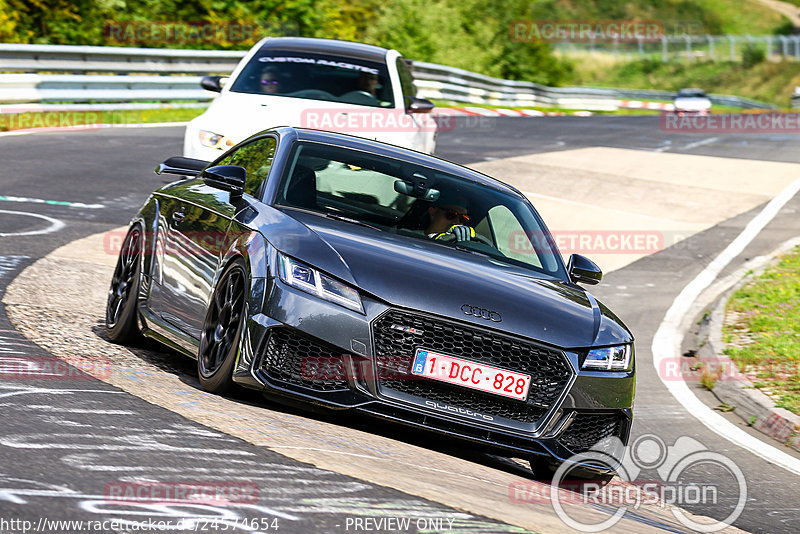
[[314, 352]]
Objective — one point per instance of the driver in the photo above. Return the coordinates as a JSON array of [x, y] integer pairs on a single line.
[[368, 83], [269, 82], [449, 219]]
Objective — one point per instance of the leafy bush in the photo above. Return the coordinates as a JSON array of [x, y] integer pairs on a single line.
[[752, 55]]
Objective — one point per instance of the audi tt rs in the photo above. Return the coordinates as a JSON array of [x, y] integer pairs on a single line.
[[327, 269]]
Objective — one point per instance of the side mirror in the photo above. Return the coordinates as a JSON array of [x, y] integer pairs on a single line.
[[211, 83], [226, 177], [420, 105], [582, 269], [182, 166]]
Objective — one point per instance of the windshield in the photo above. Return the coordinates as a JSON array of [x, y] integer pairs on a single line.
[[691, 93], [418, 203], [316, 77]]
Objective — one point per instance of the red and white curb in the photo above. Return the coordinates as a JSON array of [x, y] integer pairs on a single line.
[[639, 104]]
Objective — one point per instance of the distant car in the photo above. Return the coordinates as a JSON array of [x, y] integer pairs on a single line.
[[322, 84], [692, 102], [341, 272]]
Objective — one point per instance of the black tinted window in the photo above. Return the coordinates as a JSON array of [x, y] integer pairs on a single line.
[[376, 190], [256, 157]]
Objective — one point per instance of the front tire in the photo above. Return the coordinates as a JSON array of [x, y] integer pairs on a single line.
[[121, 314], [222, 328]]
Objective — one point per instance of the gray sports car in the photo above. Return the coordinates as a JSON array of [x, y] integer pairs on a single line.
[[337, 271]]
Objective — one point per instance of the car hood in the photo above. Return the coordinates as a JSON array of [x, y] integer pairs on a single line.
[[225, 114], [423, 275]]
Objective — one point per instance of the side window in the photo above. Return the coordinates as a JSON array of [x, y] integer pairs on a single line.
[[511, 238], [406, 81], [256, 158]]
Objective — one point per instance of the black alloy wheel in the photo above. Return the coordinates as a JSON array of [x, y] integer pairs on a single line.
[[219, 341], [121, 314]]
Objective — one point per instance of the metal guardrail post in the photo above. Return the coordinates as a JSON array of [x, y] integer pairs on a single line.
[[710, 46], [688, 40], [664, 49], [733, 47]]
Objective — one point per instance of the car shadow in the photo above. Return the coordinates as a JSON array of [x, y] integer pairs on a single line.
[[185, 369]]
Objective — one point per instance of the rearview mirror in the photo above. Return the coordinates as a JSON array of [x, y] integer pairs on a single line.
[[420, 105], [425, 193], [226, 177], [211, 83], [582, 269]]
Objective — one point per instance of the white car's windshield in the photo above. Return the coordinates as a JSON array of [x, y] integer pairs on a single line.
[[418, 202], [316, 77]]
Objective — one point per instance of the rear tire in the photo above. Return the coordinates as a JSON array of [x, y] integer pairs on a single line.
[[121, 313], [222, 328]]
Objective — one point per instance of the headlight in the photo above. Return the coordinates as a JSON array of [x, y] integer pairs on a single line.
[[310, 280], [609, 358], [213, 140]]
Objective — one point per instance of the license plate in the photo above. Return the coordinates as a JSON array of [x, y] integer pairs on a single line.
[[469, 374]]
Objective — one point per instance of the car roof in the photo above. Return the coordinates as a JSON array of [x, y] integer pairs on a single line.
[[392, 151], [327, 46]]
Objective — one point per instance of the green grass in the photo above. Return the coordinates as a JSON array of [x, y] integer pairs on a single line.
[[768, 322], [771, 82], [20, 121]]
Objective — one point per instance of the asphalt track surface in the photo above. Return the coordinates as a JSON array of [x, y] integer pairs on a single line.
[[116, 434]]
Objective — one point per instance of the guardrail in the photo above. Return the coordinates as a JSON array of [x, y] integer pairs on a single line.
[[691, 47], [164, 75]]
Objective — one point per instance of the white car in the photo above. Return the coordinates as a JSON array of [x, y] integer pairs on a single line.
[[324, 84], [692, 101]]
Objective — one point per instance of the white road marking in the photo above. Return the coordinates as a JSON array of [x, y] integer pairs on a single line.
[[663, 147], [8, 264], [701, 143], [55, 224], [668, 337], [4, 198]]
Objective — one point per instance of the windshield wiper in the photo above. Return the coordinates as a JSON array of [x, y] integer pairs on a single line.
[[338, 217]]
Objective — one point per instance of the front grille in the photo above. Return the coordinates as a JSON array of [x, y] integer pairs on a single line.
[[476, 401], [296, 358], [399, 334], [588, 429]]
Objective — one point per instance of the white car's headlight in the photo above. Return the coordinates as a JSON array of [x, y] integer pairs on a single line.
[[214, 140], [609, 359], [310, 280]]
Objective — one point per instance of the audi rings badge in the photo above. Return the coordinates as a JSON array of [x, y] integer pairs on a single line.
[[481, 313]]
